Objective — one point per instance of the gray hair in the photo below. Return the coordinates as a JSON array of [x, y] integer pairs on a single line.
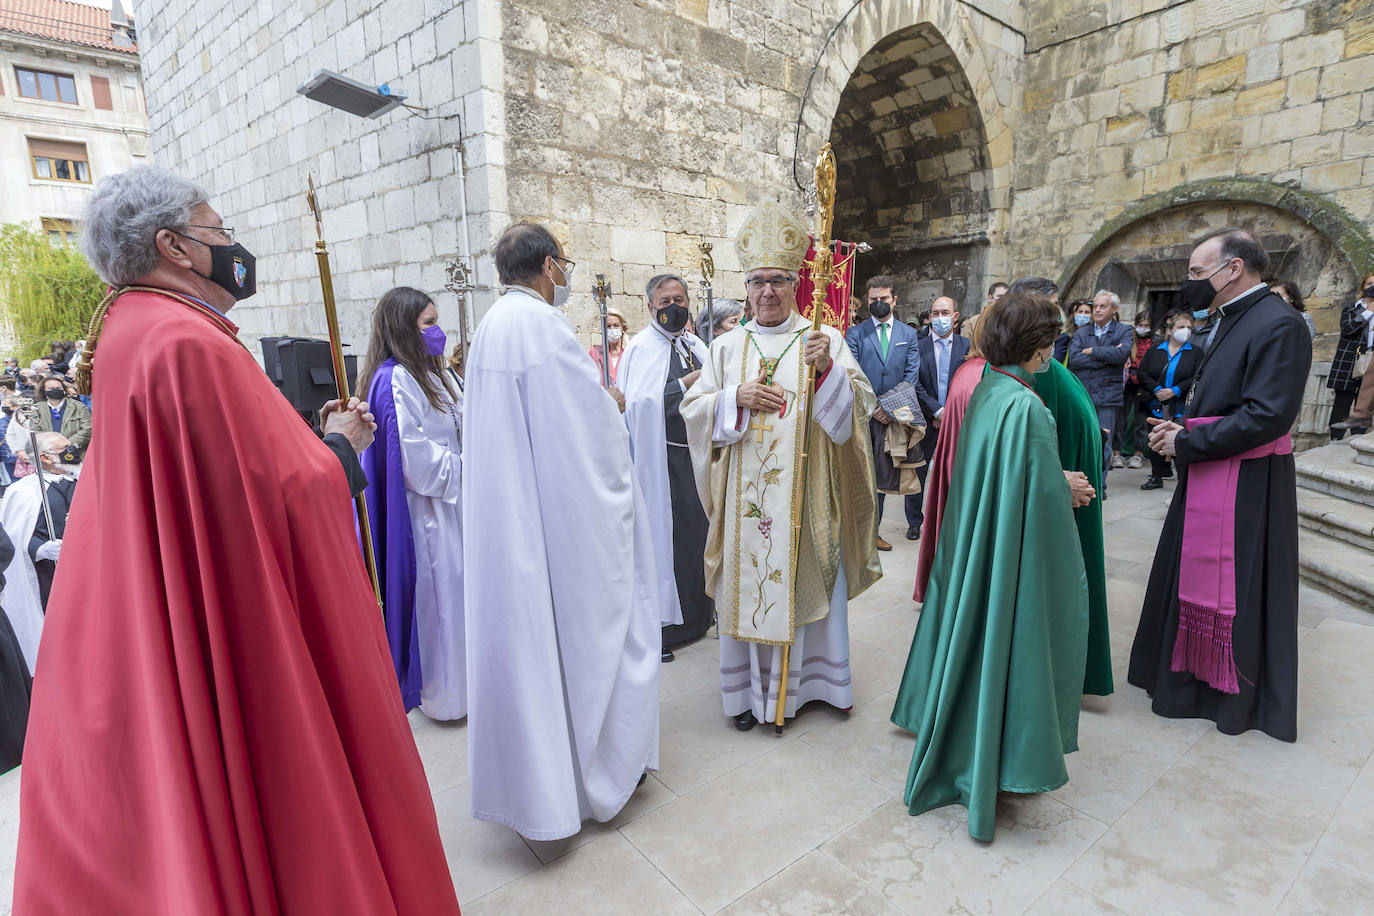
[[119, 232], [721, 309], [659, 280], [1113, 297]]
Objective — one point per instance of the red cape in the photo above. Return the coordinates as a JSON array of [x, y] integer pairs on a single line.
[[966, 378], [216, 726]]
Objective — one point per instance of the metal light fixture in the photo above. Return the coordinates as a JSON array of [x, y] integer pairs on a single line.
[[338, 91]]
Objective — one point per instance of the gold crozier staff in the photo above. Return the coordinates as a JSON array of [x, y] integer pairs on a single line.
[[341, 376], [822, 269]]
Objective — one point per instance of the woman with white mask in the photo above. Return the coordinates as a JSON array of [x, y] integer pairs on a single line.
[[1166, 375]]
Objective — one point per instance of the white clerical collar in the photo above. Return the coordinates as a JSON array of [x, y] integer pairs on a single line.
[[783, 328], [517, 288], [1222, 309]]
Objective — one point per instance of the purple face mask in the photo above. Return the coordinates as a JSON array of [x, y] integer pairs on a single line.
[[435, 340]]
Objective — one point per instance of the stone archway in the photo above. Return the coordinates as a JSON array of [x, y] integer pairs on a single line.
[[1309, 240], [915, 102], [912, 167], [1142, 255]]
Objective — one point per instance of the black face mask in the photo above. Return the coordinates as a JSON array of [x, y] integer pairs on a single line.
[[1369, 292], [70, 455], [879, 309], [672, 318], [232, 268], [54, 394], [1197, 295]]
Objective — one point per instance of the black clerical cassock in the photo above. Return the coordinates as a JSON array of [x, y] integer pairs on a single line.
[[1251, 381]]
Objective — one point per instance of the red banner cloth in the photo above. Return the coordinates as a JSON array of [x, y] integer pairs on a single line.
[[837, 313]]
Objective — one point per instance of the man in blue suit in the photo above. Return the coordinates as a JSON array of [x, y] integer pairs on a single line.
[[941, 354], [887, 351]]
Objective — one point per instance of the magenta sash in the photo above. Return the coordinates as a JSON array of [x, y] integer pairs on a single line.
[[1207, 570]]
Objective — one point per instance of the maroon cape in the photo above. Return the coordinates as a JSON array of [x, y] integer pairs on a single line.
[[216, 726], [966, 378]]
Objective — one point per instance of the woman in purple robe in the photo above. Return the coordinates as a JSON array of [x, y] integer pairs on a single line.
[[414, 469]]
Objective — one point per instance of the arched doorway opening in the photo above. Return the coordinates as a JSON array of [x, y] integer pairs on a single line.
[[913, 173]]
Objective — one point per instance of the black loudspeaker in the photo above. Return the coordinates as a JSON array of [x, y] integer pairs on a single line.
[[302, 368]]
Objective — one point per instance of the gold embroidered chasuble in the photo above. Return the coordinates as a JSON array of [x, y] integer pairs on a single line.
[[766, 577]]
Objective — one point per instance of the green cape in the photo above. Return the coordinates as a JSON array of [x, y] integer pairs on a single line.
[[1080, 449], [995, 673]]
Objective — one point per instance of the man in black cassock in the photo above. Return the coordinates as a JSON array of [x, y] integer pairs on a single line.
[[1237, 668], [658, 367]]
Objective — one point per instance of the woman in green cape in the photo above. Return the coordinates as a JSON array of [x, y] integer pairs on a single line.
[[1080, 449], [995, 672]]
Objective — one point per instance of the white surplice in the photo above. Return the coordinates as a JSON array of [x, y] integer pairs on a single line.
[[561, 583], [21, 599], [431, 462], [642, 376]]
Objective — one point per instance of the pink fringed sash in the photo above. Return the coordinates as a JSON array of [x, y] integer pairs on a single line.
[[1207, 573]]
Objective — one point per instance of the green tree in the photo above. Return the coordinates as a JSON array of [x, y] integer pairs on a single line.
[[47, 291]]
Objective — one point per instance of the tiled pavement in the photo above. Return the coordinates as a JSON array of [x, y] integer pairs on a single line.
[[1159, 816]]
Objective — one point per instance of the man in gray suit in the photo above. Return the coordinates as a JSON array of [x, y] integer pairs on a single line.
[[888, 354], [1097, 354]]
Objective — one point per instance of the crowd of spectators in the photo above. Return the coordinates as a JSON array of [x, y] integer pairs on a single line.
[[50, 382]]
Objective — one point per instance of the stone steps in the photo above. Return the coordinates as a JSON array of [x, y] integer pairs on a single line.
[[1332, 470], [1336, 566], [1336, 518], [1364, 450]]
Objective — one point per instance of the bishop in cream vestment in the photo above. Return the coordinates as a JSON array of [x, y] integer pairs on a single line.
[[782, 559]]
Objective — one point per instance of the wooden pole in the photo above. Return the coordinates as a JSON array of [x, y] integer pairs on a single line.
[[341, 378]]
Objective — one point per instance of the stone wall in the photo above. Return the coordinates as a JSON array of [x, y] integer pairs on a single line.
[[226, 113], [639, 128], [1131, 99]]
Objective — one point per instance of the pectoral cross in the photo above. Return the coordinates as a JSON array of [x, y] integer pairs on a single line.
[[757, 426]]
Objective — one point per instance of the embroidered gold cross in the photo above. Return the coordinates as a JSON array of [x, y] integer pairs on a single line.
[[757, 426]]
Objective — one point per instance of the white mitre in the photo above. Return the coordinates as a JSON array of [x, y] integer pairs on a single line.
[[772, 236]]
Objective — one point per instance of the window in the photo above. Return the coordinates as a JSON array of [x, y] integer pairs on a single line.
[[58, 161], [51, 87], [59, 231]]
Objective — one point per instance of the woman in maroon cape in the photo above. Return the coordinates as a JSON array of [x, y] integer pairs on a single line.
[[961, 385], [216, 726]]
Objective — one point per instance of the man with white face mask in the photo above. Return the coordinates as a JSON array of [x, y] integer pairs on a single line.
[[941, 353], [659, 367]]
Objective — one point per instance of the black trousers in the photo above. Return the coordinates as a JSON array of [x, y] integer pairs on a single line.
[[1340, 409]]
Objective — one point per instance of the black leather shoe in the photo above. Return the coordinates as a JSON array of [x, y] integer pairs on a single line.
[[1152, 483], [668, 656], [913, 533], [745, 721]]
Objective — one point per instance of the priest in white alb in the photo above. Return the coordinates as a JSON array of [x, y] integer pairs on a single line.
[[782, 565], [560, 583]]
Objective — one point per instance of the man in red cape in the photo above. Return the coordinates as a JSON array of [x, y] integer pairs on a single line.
[[216, 726]]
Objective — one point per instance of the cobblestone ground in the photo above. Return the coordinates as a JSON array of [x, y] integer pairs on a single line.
[[1159, 815]]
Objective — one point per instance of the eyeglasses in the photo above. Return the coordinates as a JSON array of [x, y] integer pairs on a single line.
[[566, 265], [781, 281], [1197, 273]]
